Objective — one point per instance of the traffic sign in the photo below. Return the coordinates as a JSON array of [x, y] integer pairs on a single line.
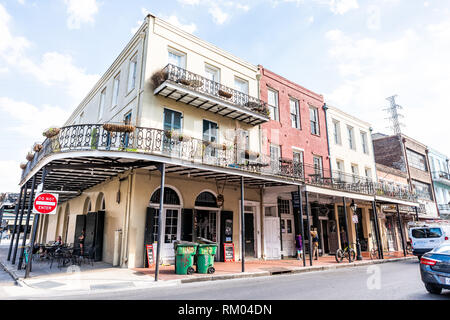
[[45, 203]]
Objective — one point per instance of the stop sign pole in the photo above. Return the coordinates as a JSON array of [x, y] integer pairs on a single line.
[[35, 224]]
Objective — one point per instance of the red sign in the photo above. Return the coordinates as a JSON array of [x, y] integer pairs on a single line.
[[45, 203]]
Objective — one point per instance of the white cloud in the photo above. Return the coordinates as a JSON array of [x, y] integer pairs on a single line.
[[413, 65], [218, 15], [28, 120], [10, 173], [190, 2], [80, 11], [173, 19], [54, 69], [343, 6]]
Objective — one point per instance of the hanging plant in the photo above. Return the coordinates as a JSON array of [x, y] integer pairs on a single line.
[[158, 78], [252, 154], [220, 200], [30, 156], [184, 138], [169, 134], [51, 132], [111, 127], [23, 166], [225, 94], [37, 147]]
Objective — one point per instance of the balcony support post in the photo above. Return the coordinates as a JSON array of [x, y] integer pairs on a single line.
[[302, 229], [377, 230], [161, 217], [401, 230], [346, 227], [242, 226], [27, 223], [22, 210], [308, 215], [16, 213]]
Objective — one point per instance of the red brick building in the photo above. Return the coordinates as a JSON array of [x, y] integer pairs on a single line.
[[298, 120], [296, 134]]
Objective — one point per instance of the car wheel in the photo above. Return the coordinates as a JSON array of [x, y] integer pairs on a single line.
[[431, 288]]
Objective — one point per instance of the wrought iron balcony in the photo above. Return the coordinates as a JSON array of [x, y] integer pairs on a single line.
[[394, 190], [442, 177], [184, 86], [444, 207], [178, 146]]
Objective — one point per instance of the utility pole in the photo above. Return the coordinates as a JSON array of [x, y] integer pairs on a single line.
[[394, 116]]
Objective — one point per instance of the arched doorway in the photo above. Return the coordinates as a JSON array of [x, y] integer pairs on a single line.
[[171, 226], [87, 205], [100, 204], [206, 220]]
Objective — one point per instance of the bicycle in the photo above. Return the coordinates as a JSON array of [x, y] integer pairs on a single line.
[[26, 254], [347, 253], [374, 254]]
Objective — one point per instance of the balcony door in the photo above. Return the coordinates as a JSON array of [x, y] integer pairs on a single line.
[[172, 123], [210, 136]]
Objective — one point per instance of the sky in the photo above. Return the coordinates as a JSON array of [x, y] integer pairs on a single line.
[[354, 52]]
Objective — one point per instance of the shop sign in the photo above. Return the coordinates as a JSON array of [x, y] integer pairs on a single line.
[[355, 218], [295, 200], [228, 252], [150, 255]]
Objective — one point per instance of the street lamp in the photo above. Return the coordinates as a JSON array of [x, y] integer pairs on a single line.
[[354, 206]]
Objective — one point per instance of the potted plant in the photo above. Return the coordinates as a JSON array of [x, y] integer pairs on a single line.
[[158, 78], [225, 94], [186, 82], [23, 166], [51, 132], [182, 137], [37, 147], [30, 156], [169, 134], [196, 83]]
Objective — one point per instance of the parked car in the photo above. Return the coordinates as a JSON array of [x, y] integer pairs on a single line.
[[435, 269], [426, 238]]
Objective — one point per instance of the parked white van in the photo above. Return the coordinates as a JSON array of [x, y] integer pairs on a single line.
[[427, 237]]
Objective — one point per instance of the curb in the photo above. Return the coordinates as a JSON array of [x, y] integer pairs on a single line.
[[11, 273], [292, 271]]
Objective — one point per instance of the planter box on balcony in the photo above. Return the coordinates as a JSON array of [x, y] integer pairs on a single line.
[[23, 166], [158, 78], [37, 147], [225, 94], [119, 127]]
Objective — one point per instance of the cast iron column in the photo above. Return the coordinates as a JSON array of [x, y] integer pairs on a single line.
[[401, 231], [346, 228], [25, 233], [358, 244], [417, 214], [22, 209], [161, 216], [16, 213], [309, 228], [302, 229], [242, 226], [377, 230]]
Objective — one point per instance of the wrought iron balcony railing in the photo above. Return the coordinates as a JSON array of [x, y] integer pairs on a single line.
[[441, 175], [180, 146], [204, 85], [444, 207]]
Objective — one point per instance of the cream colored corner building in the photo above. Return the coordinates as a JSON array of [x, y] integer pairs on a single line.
[[126, 92]]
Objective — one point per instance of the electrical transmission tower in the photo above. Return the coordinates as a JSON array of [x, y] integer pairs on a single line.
[[394, 116]]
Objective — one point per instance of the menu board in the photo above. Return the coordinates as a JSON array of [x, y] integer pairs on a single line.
[[295, 200], [228, 252], [150, 255]]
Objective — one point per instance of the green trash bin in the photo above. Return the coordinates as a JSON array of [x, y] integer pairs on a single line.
[[184, 257], [205, 258]]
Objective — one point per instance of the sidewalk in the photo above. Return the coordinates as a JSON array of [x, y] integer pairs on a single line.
[[103, 276]]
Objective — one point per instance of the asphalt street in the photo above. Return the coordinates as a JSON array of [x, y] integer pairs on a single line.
[[389, 281]]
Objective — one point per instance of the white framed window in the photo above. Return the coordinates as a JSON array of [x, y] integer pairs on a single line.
[[275, 155], [314, 117], [295, 113], [177, 58], [101, 107], [355, 172], [116, 90], [241, 85], [212, 73], [351, 138], [132, 70], [272, 99], [364, 142], [318, 166], [368, 173], [340, 169], [337, 132]]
